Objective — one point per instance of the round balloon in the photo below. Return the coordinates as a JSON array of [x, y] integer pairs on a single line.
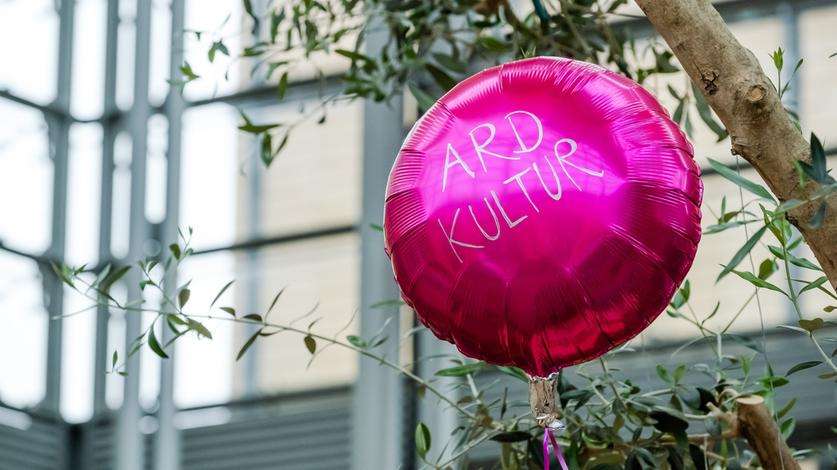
[[541, 213]]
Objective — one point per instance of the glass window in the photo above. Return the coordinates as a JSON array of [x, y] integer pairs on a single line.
[[732, 292], [83, 194], [204, 368], [217, 20], [126, 45], [89, 59], [319, 276], [158, 85], [24, 332], [29, 38], [25, 177], [77, 350], [315, 181], [211, 175], [313, 184], [320, 282], [155, 184], [819, 73]]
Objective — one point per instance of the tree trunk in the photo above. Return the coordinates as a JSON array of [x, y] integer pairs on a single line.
[[762, 434], [733, 83]]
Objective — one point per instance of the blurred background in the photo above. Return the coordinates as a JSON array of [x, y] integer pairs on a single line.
[[101, 159]]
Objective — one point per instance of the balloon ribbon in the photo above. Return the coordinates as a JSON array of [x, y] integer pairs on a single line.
[[548, 438]]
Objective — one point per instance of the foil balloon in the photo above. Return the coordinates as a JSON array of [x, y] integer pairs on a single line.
[[541, 213]]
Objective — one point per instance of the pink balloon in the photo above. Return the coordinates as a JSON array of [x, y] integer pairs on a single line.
[[542, 213]]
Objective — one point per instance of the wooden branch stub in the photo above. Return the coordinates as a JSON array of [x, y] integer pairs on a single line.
[[543, 398], [757, 426]]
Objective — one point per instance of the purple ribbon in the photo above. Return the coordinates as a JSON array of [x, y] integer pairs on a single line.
[[548, 438]]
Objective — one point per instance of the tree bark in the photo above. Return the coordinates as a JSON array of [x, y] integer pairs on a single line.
[[757, 426], [733, 83]]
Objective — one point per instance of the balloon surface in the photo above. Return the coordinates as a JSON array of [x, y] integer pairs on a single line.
[[541, 213]]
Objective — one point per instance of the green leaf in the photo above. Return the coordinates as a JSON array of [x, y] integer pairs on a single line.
[[796, 261], [772, 382], [112, 278], [266, 153], [662, 373], [491, 44], [515, 372], [707, 117], [423, 440], [114, 359], [64, 273], [698, 457], [282, 88], [802, 366], [173, 321], [682, 295], [376, 227], [787, 427], [183, 297], [248, 8], [461, 371], [679, 372], [187, 72], [671, 424], [814, 284], [811, 325], [817, 170], [217, 46], [440, 77], [155, 345], [778, 59], [725, 226], [756, 281], [251, 128], [357, 341], [786, 409], [512, 436], [742, 252], [817, 218], [424, 100], [199, 328], [678, 112], [310, 344], [254, 317], [274, 301], [354, 56], [739, 180], [229, 310], [387, 303], [247, 345], [767, 268], [745, 341], [221, 292], [803, 263], [788, 205], [257, 128], [449, 62], [276, 18], [175, 251]]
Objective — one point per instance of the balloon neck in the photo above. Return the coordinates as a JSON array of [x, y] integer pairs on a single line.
[[543, 398]]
